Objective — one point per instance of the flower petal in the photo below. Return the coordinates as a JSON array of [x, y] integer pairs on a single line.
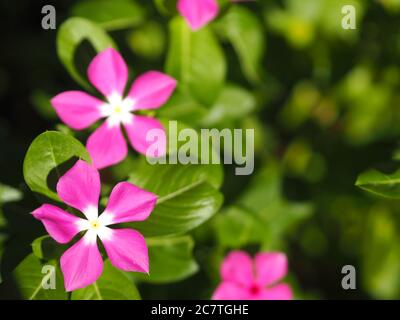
[[278, 292], [128, 203], [79, 188], [61, 225], [230, 291], [238, 268], [151, 90], [108, 72], [77, 109], [139, 134], [270, 267], [127, 250], [198, 13], [107, 146], [81, 264]]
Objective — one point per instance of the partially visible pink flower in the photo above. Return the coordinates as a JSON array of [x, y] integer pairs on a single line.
[[82, 263], [108, 73], [245, 279], [198, 13]]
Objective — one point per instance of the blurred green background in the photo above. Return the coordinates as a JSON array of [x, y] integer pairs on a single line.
[[324, 103]]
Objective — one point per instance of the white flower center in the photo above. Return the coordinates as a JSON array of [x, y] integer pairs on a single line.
[[118, 110], [95, 226]]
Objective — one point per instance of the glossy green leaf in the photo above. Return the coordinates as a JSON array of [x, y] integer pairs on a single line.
[[111, 15], [71, 34], [246, 34], [387, 185], [47, 158], [196, 60], [29, 281], [113, 284], [171, 260], [187, 196]]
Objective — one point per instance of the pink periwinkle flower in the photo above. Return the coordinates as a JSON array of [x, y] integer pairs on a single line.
[[82, 263], [245, 279], [198, 13], [108, 73]]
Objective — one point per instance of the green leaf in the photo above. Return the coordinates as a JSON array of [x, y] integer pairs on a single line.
[[111, 15], [29, 277], [113, 284], [234, 103], [246, 34], [170, 260], [386, 185], [196, 60], [46, 158], [71, 34], [187, 196], [46, 248]]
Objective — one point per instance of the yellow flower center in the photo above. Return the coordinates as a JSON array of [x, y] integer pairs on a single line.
[[95, 224]]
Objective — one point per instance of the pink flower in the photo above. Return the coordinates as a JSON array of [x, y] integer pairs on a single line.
[[82, 263], [198, 13], [243, 280], [108, 72]]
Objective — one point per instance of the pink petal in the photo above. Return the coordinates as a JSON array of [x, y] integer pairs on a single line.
[[230, 291], [198, 13], [61, 225], [238, 268], [107, 146], [278, 292], [127, 250], [80, 186], [151, 90], [139, 134], [81, 264], [108, 72], [270, 267], [129, 203], [77, 109]]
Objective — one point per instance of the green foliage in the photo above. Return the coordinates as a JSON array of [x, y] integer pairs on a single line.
[[71, 34], [196, 60], [45, 159], [387, 185], [171, 260], [29, 277], [187, 196], [111, 15], [323, 103], [244, 30]]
